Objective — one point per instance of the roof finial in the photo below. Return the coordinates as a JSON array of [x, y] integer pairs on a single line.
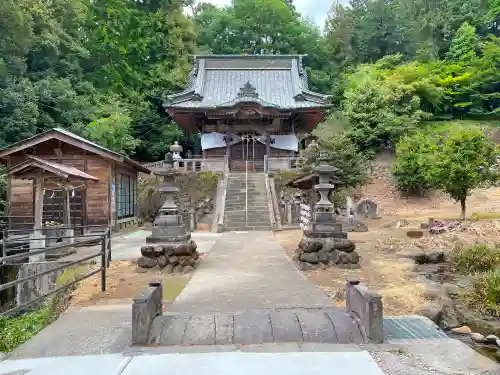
[[248, 91]]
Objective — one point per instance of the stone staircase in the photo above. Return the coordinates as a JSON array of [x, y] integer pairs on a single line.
[[257, 217]]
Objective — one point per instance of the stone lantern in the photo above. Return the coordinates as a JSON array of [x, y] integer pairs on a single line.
[[168, 225], [169, 247], [176, 150], [324, 213]]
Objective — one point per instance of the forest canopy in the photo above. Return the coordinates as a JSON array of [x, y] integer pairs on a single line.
[[101, 68]]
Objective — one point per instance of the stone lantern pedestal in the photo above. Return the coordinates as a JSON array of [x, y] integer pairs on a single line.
[[325, 243], [169, 246]]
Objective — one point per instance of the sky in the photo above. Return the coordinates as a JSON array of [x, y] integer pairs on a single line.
[[314, 9]]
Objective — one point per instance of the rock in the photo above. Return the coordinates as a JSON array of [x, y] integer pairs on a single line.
[[449, 318], [2, 356], [147, 251], [367, 208], [497, 342], [183, 249], [353, 257], [140, 270], [401, 223], [295, 257], [477, 337], [146, 262], [169, 269], [463, 330], [418, 256], [178, 269], [334, 257], [309, 245], [327, 245], [158, 250], [196, 255], [193, 244], [344, 245], [433, 312], [432, 291], [450, 290], [491, 340], [323, 256], [435, 257], [188, 269], [309, 257], [304, 266], [162, 261], [415, 234], [173, 260], [344, 258]]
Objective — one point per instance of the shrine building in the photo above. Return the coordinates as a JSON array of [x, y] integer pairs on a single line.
[[249, 109]]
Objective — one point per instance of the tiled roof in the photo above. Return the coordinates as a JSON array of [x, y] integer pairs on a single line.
[[277, 81]]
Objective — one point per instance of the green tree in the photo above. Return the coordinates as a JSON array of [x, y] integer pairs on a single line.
[[455, 162], [343, 154], [464, 160], [411, 164], [381, 107], [112, 130], [463, 46]]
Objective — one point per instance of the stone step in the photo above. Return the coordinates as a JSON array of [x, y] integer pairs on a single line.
[[241, 214], [250, 228], [241, 205]]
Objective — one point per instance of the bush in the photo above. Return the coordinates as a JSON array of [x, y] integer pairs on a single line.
[[410, 167], [485, 293], [478, 258]]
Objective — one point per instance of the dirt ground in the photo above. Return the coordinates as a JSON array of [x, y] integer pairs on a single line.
[[382, 269], [124, 282]]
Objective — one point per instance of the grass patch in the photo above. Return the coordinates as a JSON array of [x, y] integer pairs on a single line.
[[173, 287], [484, 295], [478, 258], [16, 330]]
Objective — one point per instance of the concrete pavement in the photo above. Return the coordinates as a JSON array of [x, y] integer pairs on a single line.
[[247, 271]]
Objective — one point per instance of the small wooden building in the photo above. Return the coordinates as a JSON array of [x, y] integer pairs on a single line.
[[111, 201]]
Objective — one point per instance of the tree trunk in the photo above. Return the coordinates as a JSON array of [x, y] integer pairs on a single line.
[[462, 208]]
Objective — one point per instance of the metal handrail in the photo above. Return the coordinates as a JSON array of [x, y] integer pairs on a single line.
[[104, 253], [246, 193]]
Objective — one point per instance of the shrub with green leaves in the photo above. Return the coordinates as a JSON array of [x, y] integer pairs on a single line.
[[485, 293], [478, 258], [410, 167]]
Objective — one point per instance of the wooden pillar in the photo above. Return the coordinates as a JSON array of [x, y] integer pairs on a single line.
[[67, 208], [38, 202], [268, 144]]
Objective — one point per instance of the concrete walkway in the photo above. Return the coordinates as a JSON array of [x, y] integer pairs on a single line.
[[247, 271], [96, 329]]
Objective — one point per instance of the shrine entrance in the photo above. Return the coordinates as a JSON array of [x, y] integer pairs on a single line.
[[248, 154]]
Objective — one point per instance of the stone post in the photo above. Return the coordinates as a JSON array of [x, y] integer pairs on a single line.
[[366, 306]]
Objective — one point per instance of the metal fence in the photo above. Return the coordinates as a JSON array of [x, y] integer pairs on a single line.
[[14, 251]]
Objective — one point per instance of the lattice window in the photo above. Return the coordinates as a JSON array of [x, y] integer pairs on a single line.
[[126, 196]]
